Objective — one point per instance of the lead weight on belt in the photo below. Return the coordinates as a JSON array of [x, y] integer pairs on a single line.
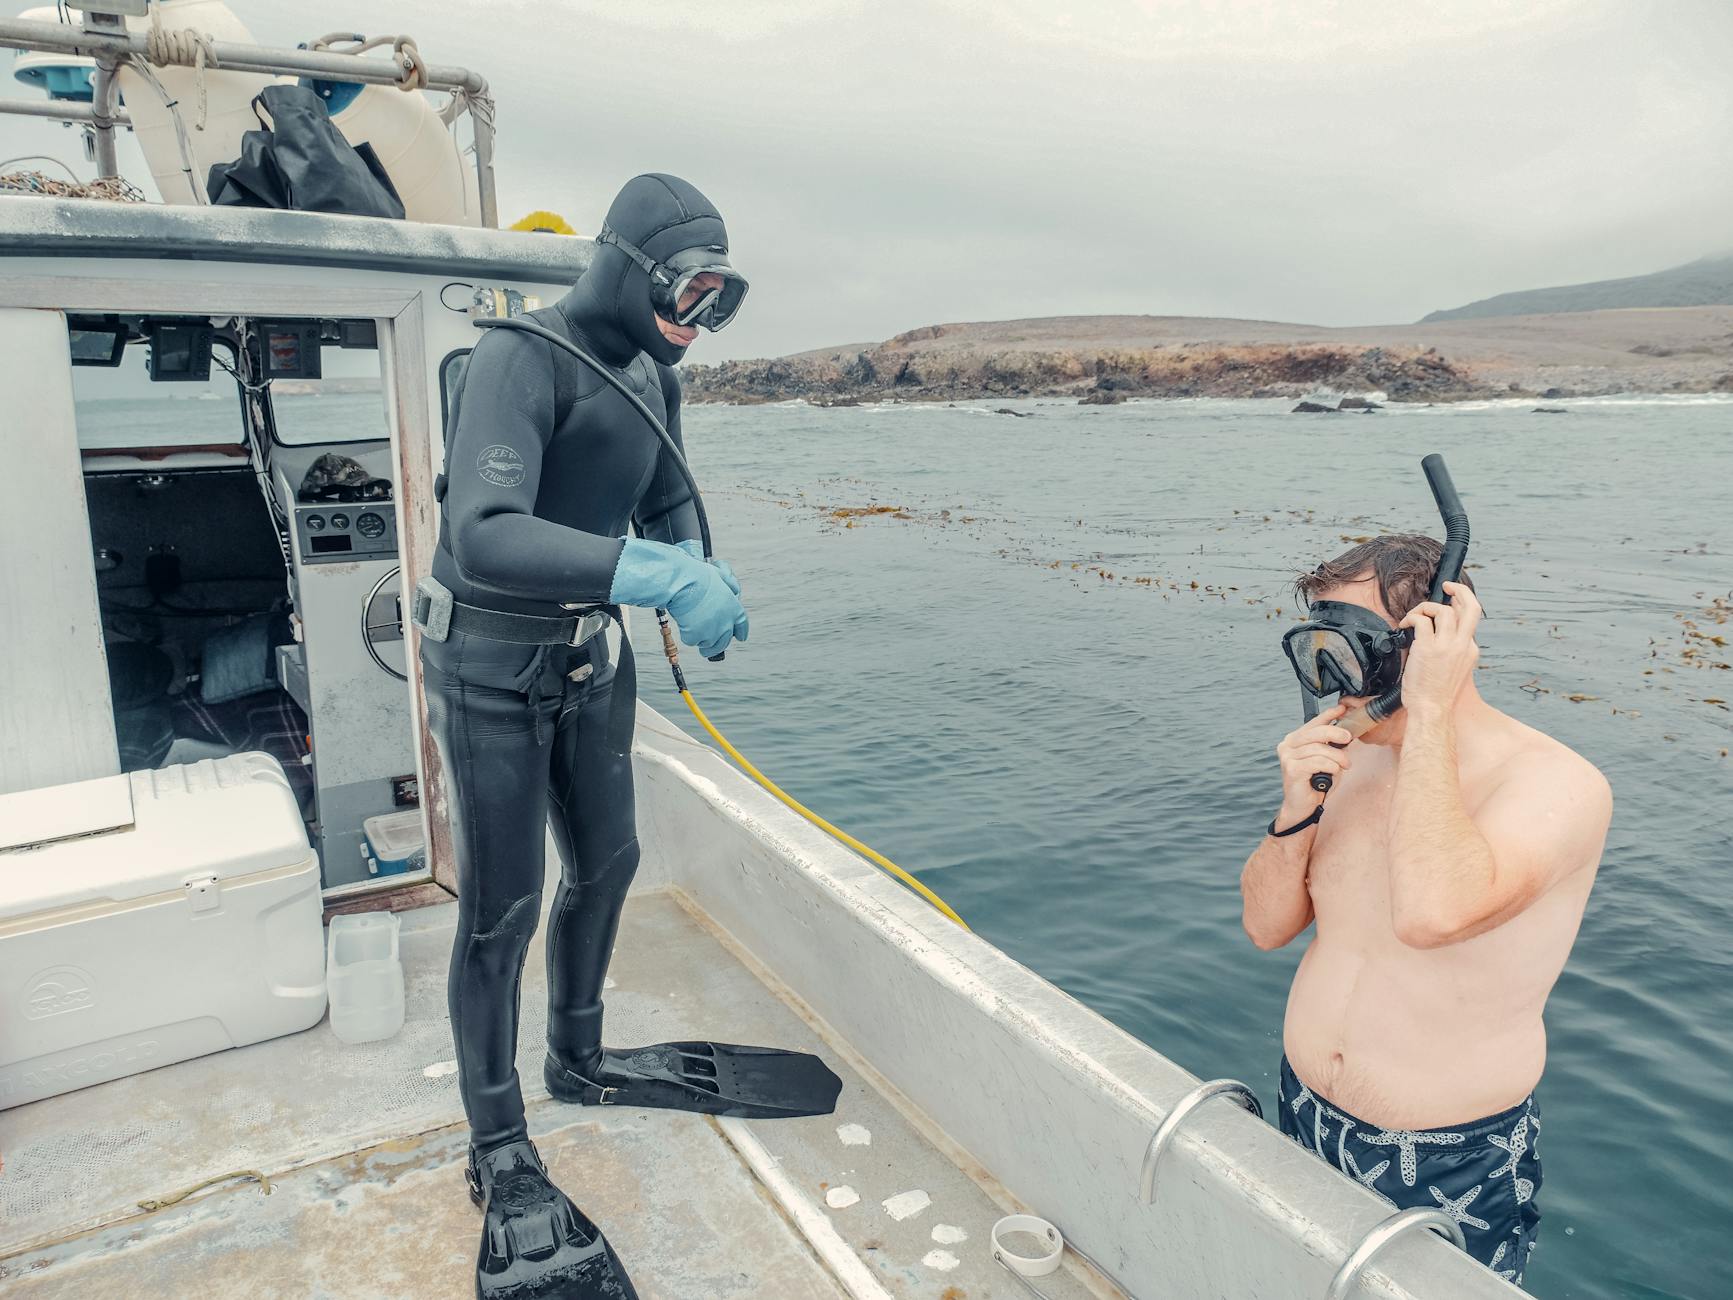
[[581, 672]]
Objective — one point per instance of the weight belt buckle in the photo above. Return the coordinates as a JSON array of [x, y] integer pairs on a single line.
[[430, 608], [586, 626]]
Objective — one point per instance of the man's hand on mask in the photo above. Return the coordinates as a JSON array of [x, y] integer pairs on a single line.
[[1441, 660]]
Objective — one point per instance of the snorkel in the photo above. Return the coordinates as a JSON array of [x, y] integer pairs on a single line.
[[1449, 569]]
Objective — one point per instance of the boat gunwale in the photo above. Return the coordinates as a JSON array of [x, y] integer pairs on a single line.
[[1241, 1165]]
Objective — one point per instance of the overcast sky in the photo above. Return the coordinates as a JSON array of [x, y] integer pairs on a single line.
[[893, 163]]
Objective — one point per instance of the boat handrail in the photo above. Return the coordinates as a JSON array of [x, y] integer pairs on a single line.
[[112, 46], [1420, 1216], [1163, 1137], [61, 110]]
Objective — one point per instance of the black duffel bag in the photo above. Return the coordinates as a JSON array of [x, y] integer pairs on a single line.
[[301, 161]]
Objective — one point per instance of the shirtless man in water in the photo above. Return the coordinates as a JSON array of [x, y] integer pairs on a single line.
[[1447, 883]]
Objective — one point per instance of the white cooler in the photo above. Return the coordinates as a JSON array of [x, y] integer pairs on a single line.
[[193, 928]]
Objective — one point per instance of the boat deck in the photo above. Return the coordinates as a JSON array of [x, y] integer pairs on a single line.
[[364, 1147]]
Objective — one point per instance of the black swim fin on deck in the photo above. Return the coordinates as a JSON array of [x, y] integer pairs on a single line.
[[708, 1078], [535, 1244]]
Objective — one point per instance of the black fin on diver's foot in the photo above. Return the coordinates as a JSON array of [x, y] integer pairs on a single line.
[[535, 1244], [708, 1078]]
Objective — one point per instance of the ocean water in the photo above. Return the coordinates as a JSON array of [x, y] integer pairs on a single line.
[[1046, 677], [210, 414], [1051, 684]]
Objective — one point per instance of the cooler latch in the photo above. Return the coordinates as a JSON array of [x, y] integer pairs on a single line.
[[204, 893]]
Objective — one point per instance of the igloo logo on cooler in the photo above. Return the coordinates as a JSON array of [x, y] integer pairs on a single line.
[[57, 992]]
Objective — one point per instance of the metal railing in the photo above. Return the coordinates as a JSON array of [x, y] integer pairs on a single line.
[[1348, 1276], [111, 48], [60, 110], [1158, 1144]]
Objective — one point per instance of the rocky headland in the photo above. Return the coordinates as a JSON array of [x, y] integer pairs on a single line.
[[1106, 359]]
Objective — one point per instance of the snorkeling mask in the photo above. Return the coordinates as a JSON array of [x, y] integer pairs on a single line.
[[670, 280], [1351, 651], [1345, 649]]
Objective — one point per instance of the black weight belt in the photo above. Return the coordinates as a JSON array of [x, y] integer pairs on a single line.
[[437, 614]]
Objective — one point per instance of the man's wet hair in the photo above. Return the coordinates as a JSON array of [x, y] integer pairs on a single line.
[[1403, 564]]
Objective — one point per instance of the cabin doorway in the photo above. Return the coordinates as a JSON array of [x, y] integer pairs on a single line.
[[322, 361], [238, 474]]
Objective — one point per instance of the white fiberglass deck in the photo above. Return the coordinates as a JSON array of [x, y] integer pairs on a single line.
[[365, 1146]]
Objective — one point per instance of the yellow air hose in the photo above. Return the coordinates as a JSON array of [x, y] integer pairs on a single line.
[[841, 836]]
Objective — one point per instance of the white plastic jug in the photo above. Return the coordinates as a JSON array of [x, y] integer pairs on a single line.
[[364, 977]]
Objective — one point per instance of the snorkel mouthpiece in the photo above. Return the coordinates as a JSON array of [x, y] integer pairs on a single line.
[[1361, 720]]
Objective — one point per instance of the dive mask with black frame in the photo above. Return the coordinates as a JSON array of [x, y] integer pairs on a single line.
[[1345, 649], [670, 280]]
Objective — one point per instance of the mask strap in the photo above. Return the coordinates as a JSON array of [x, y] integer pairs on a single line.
[[651, 268]]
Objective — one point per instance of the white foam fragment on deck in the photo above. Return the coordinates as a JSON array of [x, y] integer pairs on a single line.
[[439, 1069], [854, 1135], [947, 1234], [906, 1204], [942, 1260], [840, 1198]]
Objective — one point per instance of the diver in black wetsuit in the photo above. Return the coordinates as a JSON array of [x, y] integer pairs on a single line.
[[547, 467]]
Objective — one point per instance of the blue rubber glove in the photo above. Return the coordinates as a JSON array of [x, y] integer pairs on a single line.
[[695, 549], [701, 598]]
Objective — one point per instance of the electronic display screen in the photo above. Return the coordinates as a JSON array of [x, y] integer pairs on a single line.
[[285, 353], [175, 353], [325, 545], [180, 353], [96, 347], [290, 349]]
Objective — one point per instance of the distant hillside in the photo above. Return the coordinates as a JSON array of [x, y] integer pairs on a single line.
[[1111, 358], [1704, 283], [343, 384]]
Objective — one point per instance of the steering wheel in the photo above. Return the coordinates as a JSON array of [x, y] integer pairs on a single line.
[[391, 630]]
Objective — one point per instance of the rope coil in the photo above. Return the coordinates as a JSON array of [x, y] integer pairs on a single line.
[[405, 53], [187, 48]]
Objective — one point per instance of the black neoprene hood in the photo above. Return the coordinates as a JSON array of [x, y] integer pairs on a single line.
[[663, 215]]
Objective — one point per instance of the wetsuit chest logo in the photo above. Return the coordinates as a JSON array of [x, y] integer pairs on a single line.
[[501, 466]]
